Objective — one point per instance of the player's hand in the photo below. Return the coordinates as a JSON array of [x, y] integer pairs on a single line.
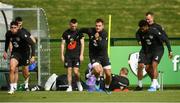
[[62, 58], [32, 59], [81, 58], [170, 55], [5, 55], [96, 36]]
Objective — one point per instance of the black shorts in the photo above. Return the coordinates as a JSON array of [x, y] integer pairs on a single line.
[[154, 56], [141, 58], [104, 61], [71, 62], [22, 58]]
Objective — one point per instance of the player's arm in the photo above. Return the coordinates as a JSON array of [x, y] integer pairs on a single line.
[[32, 37], [7, 42], [82, 49], [161, 29], [10, 47], [165, 39], [62, 49], [31, 43], [101, 40], [138, 37], [84, 30]]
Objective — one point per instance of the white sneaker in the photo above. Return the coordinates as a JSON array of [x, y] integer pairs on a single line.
[[11, 91], [69, 89], [15, 88], [80, 88], [158, 86]]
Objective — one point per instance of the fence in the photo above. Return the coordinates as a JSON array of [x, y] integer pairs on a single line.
[[34, 19]]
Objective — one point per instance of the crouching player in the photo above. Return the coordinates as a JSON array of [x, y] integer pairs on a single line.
[[120, 82]]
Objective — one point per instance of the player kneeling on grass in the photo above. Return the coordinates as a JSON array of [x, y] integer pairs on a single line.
[[152, 45], [20, 55], [74, 53], [93, 83], [120, 82]]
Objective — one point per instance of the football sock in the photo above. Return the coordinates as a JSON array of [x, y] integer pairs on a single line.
[[140, 83]]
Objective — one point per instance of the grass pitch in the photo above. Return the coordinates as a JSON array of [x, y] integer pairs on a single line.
[[75, 96]]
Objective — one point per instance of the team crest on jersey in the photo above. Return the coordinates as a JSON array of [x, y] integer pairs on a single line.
[[133, 63], [150, 36], [143, 37], [25, 35], [92, 37], [66, 64], [69, 36], [71, 39], [159, 33], [17, 39]]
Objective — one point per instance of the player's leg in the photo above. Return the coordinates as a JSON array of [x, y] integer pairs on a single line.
[[108, 78], [69, 78], [13, 64], [141, 61], [149, 71], [156, 58], [16, 76], [77, 76], [26, 75], [25, 70], [107, 70], [76, 66], [68, 66], [140, 77], [154, 82]]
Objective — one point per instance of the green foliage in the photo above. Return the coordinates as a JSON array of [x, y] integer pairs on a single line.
[[125, 14]]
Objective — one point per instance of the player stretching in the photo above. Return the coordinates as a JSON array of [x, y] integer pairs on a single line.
[[98, 55], [20, 54]]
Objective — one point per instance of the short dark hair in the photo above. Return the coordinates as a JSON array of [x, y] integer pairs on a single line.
[[99, 20], [73, 21], [18, 18], [143, 23], [149, 13], [125, 70], [14, 23]]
